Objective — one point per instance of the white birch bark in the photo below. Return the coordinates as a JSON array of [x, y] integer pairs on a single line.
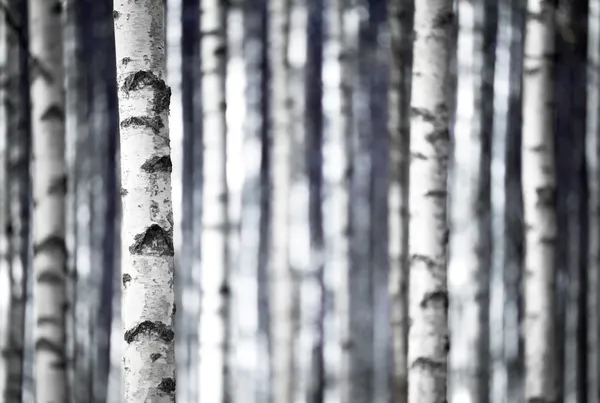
[[400, 21], [429, 151], [248, 354], [280, 274], [147, 238], [49, 179], [216, 292], [593, 167], [539, 188], [468, 271]]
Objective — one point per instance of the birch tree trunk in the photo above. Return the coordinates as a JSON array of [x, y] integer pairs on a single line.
[[469, 258], [216, 296], [593, 171], [539, 190], [400, 15], [280, 275], [18, 189], [4, 238], [49, 175], [429, 151], [148, 267]]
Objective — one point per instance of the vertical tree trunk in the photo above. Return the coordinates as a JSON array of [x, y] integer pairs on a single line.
[[400, 15], [539, 190], [469, 258], [216, 296], [429, 149], [49, 175], [593, 171], [280, 275], [148, 267], [18, 191]]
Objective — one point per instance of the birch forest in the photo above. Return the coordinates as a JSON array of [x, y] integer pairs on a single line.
[[300, 201]]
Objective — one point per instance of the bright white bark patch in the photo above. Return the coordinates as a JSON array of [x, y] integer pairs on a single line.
[[49, 187], [429, 148], [147, 237], [215, 305], [539, 189]]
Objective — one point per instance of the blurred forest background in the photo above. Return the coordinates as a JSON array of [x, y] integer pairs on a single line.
[[319, 201]]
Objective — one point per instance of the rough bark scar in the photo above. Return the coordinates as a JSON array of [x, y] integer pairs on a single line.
[[158, 164], [126, 279], [58, 185], [50, 244], [155, 123], [48, 345], [49, 277], [167, 385], [155, 356], [154, 241], [443, 20], [53, 112], [435, 296], [141, 79], [150, 328], [546, 196], [115, 14], [429, 364]]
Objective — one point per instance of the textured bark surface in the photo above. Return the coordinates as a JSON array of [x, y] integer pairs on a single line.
[[539, 196], [16, 228], [147, 237], [400, 21], [215, 332], [593, 171], [469, 254], [429, 150], [282, 329], [49, 180]]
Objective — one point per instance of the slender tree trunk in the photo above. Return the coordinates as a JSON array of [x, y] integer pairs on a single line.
[[280, 277], [216, 296], [400, 15], [593, 172], [148, 267], [49, 175], [469, 259], [5, 106], [17, 224], [539, 190], [429, 149]]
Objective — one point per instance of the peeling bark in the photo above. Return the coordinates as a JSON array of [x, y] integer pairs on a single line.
[[147, 239]]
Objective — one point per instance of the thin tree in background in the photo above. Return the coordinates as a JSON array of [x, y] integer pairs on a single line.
[[15, 105], [469, 252], [429, 151], [400, 20], [49, 178], [539, 195], [215, 332], [282, 327], [147, 240], [593, 171]]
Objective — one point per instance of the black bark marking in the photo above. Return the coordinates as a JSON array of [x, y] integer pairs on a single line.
[[220, 51], [126, 279], [50, 244], [155, 356], [56, 8], [141, 79], [154, 241], [429, 262], [224, 290], [115, 14], [48, 345], [124, 191], [433, 297], [546, 196], [429, 364], [174, 309], [167, 385], [48, 320], [443, 20], [53, 112], [155, 123], [125, 61], [158, 164], [147, 327], [50, 277], [60, 364], [539, 400], [436, 194], [58, 185]]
